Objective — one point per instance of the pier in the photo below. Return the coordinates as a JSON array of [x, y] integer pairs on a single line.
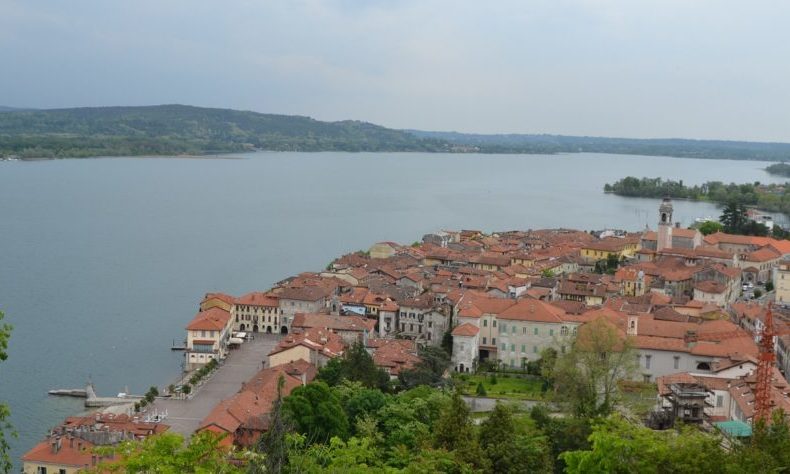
[[91, 399]]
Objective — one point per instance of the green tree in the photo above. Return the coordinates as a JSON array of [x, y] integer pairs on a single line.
[[5, 413], [733, 217], [167, 453], [621, 447], [429, 371], [586, 378], [481, 390], [316, 412], [563, 433], [454, 432], [710, 227], [272, 442], [507, 449], [356, 365], [408, 419]]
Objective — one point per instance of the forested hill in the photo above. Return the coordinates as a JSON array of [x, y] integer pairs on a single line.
[[682, 148], [178, 129]]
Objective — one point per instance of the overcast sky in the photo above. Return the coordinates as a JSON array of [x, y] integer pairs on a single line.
[[632, 68]]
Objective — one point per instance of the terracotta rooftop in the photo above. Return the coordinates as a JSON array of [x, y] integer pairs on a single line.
[[212, 319]]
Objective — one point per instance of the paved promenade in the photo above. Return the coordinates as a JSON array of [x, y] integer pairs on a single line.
[[184, 416]]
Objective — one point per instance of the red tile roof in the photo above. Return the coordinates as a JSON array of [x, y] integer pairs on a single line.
[[533, 310], [466, 330], [213, 319]]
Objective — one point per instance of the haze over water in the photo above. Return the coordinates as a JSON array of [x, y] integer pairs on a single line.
[[104, 261]]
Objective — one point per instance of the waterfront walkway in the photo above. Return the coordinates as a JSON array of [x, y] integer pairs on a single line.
[[184, 416]]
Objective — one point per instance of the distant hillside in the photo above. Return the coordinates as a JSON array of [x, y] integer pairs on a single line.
[[4, 108], [683, 148], [178, 129]]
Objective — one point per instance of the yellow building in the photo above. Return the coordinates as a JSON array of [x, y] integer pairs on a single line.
[[602, 249], [782, 283], [383, 250]]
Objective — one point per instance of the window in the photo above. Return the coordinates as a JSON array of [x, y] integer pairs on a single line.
[[485, 323], [430, 324], [493, 341], [676, 362], [551, 332], [204, 348], [202, 333], [534, 349], [564, 331], [646, 378], [536, 331], [513, 330], [512, 363], [493, 323], [484, 341], [512, 348], [647, 361], [504, 347], [523, 348], [719, 401], [503, 328], [411, 327], [523, 330]]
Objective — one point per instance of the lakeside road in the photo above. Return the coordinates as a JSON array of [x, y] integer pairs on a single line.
[[184, 416]]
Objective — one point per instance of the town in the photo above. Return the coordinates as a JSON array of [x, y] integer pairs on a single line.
[[707, 318]]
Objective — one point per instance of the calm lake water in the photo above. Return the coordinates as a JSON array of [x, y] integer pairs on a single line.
[[103, 261]]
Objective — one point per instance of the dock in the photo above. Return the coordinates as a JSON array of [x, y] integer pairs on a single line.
[[69, 392], [91, 399]]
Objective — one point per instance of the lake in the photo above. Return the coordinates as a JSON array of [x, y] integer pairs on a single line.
[[104, 261]]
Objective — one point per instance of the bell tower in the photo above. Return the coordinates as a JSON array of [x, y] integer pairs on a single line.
[[664, 238]]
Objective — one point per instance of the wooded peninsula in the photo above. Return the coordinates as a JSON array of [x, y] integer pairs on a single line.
[[767, 197]]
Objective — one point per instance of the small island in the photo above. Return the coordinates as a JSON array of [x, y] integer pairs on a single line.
[[765, 197], [781, 169]]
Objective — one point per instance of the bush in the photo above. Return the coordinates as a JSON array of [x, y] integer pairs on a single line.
[[186, 389], [492, 379], [171, 389], [153, 391], [143, 403], [758, 293], [481, 391], [137, 407], [769, 286]]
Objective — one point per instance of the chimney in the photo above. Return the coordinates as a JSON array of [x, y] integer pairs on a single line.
[[53, 447], [304, 379], [71, 441], [677, 225], [57, 449], [690, 338]]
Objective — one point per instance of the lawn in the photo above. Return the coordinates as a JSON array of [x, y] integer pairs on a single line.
[[507, 386]]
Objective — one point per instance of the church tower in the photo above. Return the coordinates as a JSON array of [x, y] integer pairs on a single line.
[[664, 240]]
